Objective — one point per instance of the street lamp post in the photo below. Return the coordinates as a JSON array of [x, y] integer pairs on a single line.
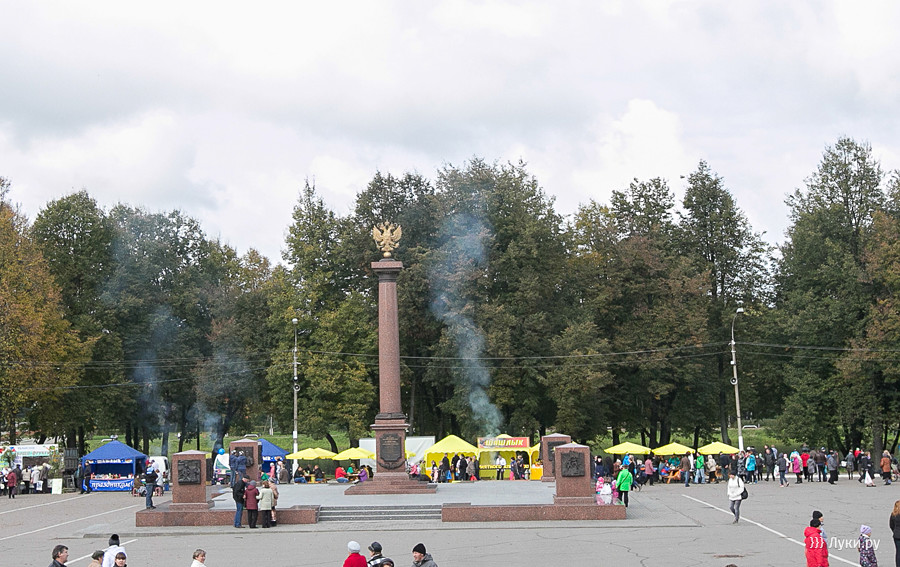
[[296, 387], [734, 380]]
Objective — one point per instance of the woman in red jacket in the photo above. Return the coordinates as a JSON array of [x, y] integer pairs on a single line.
[[816, 547]]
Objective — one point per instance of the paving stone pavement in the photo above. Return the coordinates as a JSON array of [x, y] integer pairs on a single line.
[[668, 525]]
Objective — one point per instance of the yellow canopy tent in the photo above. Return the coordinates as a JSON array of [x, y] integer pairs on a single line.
[[628, 447], [311, 454], [450, 445], [672, 449], [352, 454], [717, 447]]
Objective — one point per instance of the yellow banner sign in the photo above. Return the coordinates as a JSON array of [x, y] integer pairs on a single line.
[[503, 443]]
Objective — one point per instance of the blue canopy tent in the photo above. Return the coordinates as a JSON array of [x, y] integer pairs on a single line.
[[114, 466], [270, 453]]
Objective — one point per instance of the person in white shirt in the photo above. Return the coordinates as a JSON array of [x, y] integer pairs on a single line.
[[501, 464], [734, 490], [109, 556]]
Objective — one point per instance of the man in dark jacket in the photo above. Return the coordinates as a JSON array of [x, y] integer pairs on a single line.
[[377, 559], [421, 558], [60, 556], [237, 492], [150, 478], [769, 459]]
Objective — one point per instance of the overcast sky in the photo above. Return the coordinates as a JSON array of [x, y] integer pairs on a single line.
[[222, 109]]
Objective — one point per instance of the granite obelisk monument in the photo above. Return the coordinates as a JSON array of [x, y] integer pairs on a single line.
[[390, 424]]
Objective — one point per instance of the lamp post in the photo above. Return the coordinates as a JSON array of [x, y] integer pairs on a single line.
[[734, 380], [296, 387]]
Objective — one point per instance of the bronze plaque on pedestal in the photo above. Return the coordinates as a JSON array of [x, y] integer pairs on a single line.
[[390, 448], [188, 471], [572, 464]]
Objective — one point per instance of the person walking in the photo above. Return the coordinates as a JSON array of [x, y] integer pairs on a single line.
[[895, 531], [623, 484], [866, 548], [851, 463], [109, 556], [886, 467], [782, 464], [816, 547], [769, 461], [700, 469], [252, 503], [735, 491], [266, 500], [685, 467], [422, 558], [12, 483], [354, 559], [96, 559], [831, 463], [376, 559]]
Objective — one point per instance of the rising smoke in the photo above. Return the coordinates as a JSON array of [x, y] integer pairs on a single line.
[[463, 256]]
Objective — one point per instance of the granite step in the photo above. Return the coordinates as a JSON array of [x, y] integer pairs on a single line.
[[379, 513]]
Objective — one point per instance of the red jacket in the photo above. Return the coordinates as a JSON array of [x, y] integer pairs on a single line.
[[250, 500], [816, 548], [355, 560]]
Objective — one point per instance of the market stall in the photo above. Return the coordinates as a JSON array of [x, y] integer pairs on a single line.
[[114, 466], [507, 447], [270, 453], [451, 445]]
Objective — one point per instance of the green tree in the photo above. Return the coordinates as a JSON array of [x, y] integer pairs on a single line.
[[75, 236], [823, 294], [716, 235], [40, 354]]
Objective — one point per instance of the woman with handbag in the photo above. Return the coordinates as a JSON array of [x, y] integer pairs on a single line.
[[736, 493]]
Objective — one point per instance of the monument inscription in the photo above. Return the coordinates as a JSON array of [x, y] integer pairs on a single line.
[[390, 448]]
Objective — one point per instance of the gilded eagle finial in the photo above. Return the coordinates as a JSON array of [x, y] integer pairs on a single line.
[[387, 235]]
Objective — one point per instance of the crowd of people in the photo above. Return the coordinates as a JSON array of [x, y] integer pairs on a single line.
[[30, 480], [752, 466], [112, 556], [116, 556]]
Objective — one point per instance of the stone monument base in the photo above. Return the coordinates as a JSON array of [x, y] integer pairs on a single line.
[[392, 483], [531, 512]]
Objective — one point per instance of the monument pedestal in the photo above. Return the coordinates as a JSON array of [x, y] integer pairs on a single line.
[[574, 485], [548, 456], [390, 450], [252, 449]]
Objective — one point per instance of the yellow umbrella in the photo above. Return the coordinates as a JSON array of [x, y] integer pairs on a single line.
[[311, 454], [672, 449], [716, 448], [627, 447], [353, 453]]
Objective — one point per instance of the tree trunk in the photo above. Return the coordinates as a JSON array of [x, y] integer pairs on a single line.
[[82, 446], [332, 442], [615, 435], [894, 444], [412, 404], [145, 433], [696, 437], [723, 400], [128, 440], [182, 428], [164, 449], [877, 435]]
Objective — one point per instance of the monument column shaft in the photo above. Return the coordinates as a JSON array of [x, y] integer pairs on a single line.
[[388, 339]]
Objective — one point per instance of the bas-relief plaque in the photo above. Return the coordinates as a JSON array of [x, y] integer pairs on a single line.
[[390, 448], [572, 463], [551, 445], [188, 472]]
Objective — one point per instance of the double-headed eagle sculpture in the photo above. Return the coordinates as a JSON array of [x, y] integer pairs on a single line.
[[386, 236]]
